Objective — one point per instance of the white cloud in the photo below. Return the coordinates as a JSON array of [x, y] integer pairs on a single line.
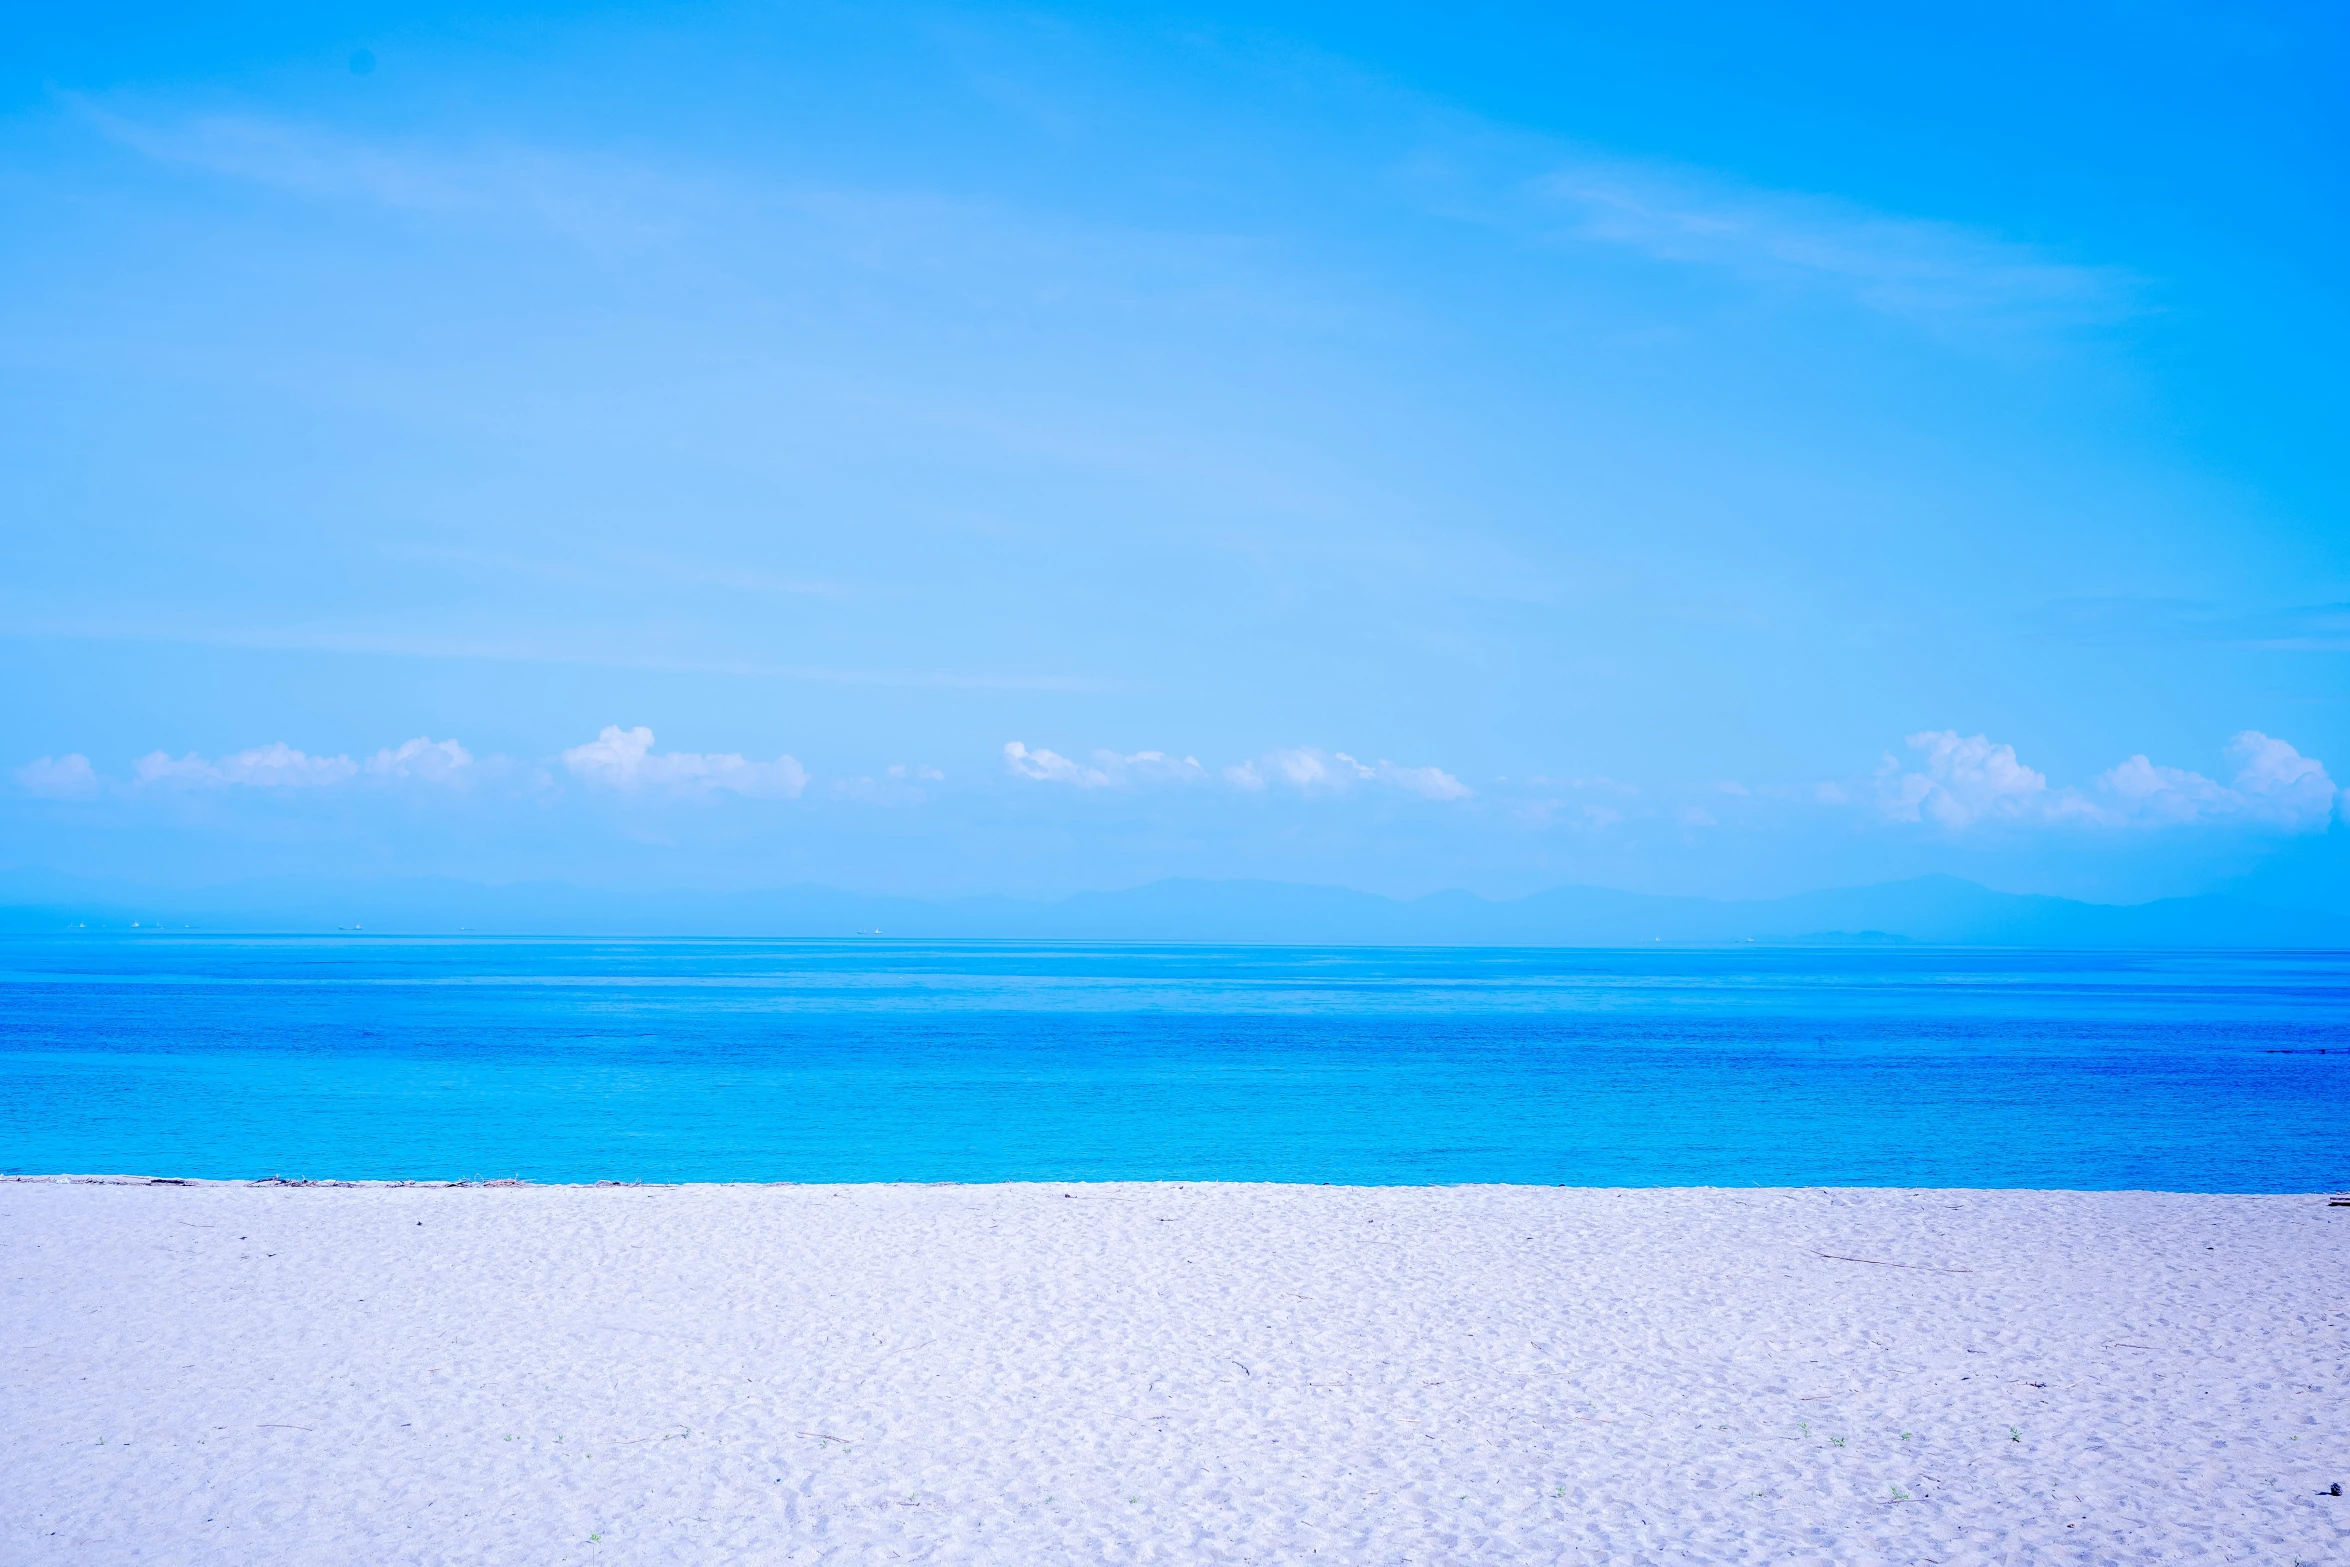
[[67, 777], [1107, 769], [2275, 785], [1938, 273], [276, 765], [2279, 781], [279, 766], [1153, 766], [1307, 769], [424, 759], [2161, 794], [584, 200], [1429, 783], [1963, 781], [1051, 767], [1312, 770], [624, 759]]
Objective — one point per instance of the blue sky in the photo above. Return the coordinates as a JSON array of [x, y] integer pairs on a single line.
[[936, 450]]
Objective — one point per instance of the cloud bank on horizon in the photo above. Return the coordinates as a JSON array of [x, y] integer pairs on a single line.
[[1966, 781], [1959, 783], [1686, 449]]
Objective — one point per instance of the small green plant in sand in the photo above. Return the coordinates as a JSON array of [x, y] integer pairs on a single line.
[[1900, 1495], [1835, 1441], [2013, 1435]]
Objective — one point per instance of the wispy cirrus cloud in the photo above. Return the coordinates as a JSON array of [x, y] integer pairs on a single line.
[[914, 237], [1939, 274], [599, 200], [579, 566], [561, 650], [2121, 620]]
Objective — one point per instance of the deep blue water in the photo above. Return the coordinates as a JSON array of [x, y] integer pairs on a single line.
[[572, 1060]]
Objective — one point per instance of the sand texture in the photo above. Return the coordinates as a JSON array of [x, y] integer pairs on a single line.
[[1043, 1374]]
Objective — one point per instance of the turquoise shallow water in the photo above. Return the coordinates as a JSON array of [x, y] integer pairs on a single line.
[[556, 1060]]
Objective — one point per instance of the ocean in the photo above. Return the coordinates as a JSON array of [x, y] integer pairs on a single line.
[[368, 1057]]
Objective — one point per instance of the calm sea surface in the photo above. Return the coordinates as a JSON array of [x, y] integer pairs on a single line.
[[563, 1060]]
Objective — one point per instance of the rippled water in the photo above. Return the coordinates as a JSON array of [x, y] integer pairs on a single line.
[[769, 1060]]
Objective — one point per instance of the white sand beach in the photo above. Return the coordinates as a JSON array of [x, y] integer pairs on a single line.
[[1158, 1373]]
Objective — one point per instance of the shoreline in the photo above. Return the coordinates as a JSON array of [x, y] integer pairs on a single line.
[[2329, 1197]]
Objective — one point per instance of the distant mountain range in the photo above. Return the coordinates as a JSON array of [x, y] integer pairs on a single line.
[[1940, 910]]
